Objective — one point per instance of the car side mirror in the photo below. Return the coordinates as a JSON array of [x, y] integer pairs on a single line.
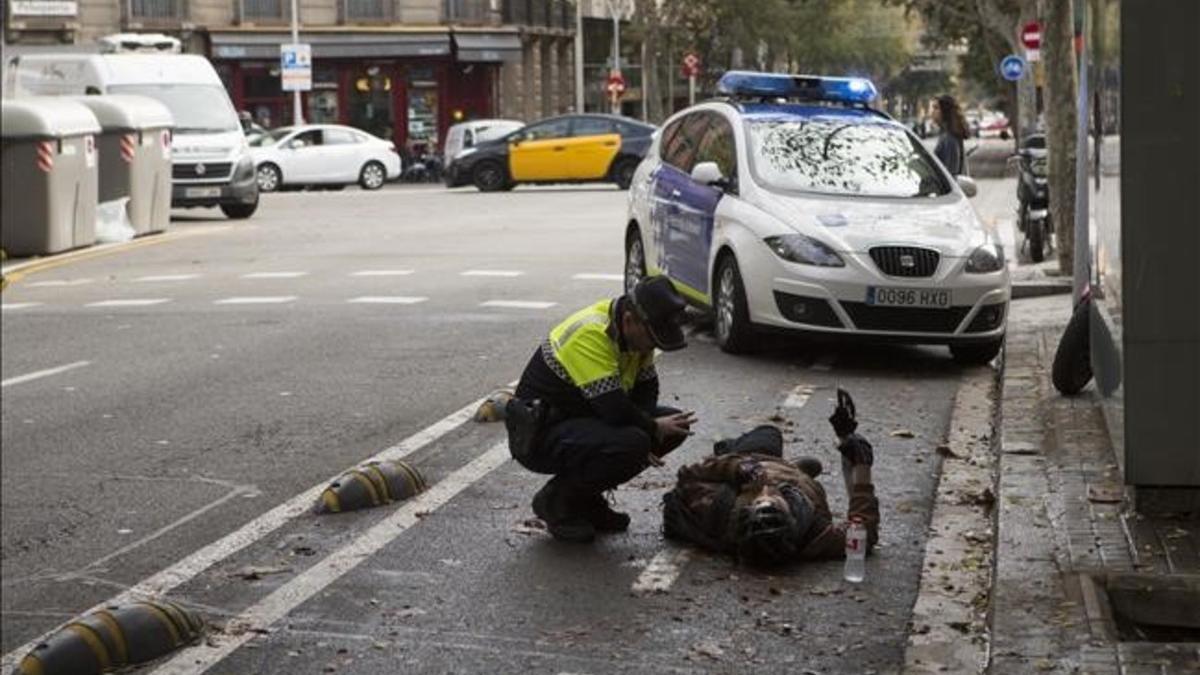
[[708, 173], [968, 185]]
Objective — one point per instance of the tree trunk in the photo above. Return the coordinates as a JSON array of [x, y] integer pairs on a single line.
[[1026, 121], [646, 12], [1058, 40]]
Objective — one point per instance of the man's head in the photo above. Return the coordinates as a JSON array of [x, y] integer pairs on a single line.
[[654, 312], [770, 523]]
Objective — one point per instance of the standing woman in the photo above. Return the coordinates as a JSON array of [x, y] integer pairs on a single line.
[[950, 149]]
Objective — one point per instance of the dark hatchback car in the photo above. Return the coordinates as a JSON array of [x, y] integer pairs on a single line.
[[585, 148]]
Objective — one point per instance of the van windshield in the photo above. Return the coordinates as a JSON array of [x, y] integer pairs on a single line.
[[197, 108]]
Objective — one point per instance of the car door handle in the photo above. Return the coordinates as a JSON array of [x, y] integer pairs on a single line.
[[559, 148], [610, 144]]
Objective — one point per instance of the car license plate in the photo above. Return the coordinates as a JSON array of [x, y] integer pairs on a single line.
[[881, 296], [202, 192]]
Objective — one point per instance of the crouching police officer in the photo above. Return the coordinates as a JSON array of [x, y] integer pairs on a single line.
[[749, 501], [586, 409]]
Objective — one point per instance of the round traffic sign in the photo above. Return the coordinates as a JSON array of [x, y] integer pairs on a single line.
[[1012, 67], [691, 64], [616, 83], [1031, 35]]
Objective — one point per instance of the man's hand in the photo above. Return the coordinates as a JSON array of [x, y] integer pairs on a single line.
[[844, 418], [857, 451], [679, 424]]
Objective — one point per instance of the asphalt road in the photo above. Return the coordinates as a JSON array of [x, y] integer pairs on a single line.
[[216, 376]]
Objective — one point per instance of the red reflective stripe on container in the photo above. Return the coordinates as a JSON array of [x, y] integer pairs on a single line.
[[128, 147], [45, 156]]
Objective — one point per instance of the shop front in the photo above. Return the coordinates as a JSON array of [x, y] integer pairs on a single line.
[[406, 87]]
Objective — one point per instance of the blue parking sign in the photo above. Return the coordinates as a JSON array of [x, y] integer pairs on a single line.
[[1012, 67]]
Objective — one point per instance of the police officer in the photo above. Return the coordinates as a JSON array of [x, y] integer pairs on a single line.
[[586, 409]]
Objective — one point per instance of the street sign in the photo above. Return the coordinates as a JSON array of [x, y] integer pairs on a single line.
[[1012, 68], [295, 67], [1031, 35], [691, 64], [616, 84]]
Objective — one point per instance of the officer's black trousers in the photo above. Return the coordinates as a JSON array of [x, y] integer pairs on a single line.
[[593, 457]]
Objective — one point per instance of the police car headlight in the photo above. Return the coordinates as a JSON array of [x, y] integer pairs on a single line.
[[245, 169], [805, 250], [985, 259]]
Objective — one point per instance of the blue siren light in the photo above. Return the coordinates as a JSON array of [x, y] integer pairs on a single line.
[[743, 83]]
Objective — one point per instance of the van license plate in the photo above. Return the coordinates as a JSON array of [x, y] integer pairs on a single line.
[[202, 192], [880, 296]]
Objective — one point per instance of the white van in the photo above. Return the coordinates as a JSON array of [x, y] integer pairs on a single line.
[[211, 163], [468, 134]]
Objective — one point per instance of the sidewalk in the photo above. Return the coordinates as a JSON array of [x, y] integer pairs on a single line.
[[1080, 581]]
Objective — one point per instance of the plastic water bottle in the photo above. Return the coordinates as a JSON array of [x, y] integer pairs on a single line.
[[856, 551]]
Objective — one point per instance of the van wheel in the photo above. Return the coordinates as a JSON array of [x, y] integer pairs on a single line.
[[489, 177], [239, 211], [735, 333], [623, 172], [372, 176], [269, 178]]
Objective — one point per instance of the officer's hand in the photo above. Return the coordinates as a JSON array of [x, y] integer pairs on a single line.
[[843, 418], [857, 450], [679, 424]]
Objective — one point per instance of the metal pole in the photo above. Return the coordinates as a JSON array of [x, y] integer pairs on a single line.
[[297, 110], [691, 90], [1081, 267], [578, 56], [616, 99]]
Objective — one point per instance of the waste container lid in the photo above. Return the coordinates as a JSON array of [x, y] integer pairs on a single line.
[[46, 117], [122, 112]]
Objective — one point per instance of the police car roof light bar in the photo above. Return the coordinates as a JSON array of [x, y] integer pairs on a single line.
[[749, 84]]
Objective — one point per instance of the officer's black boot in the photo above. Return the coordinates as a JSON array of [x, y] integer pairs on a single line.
[[602, 517], [555, 505]]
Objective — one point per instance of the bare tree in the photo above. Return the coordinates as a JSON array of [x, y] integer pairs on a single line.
[[1058, 39]]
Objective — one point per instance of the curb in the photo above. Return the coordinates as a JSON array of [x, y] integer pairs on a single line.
[[1038, 289], [949, 629]]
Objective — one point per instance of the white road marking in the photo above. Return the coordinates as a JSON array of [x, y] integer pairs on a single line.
[[518, 304], [388, 299], [129, 302], [662, 571], [59, 282], [167, 277], [492, 273], [43, 373], [186, 569], [598, 276], [798, 396], [381, 273], [274, 275], [10, 306], [256, 300], [307, 584]]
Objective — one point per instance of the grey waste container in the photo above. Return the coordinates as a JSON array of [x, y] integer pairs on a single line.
[[135, 156], [49, 176]]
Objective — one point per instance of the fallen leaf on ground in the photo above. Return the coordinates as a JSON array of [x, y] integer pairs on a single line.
[[1104, 494], [709, 649], [254, 573], [903, 433], [945, 451], [530, 526]]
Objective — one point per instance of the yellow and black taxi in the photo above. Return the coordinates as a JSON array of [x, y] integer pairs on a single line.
[[581, 148]]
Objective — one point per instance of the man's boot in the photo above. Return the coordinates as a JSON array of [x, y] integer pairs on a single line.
[[602, 517], [553, 504]]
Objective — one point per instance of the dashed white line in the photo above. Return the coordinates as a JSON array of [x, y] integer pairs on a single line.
[[381, 273], [43, 373], [166, 277], [662, 571], [10, 306], [492, 273], [597, 276], [388, 300], [256, 300], [274, 275], [318, 577], [129, 302], [797, 397], [59, 282], [518, 304], [186, 569]]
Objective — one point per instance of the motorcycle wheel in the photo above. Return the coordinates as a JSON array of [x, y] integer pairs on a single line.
[[1036, 234], [1072, 368]]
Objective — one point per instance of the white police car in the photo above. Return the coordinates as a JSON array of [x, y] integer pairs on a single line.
[[788, 203]]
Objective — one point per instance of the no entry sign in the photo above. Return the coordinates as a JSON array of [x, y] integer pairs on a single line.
[[1031, 35]]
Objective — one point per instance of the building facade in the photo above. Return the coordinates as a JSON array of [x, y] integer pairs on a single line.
[[401, 69]]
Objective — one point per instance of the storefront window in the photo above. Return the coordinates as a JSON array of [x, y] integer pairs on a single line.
[[371, 102], [323, 99], [422, 109]]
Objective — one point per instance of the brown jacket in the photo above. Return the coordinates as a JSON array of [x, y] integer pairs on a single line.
[[704, 504]]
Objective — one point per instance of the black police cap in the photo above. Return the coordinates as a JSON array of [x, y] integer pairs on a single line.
[[660, 307]]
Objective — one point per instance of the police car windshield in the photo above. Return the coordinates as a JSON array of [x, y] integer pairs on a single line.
[[197, 108], [841, 156]]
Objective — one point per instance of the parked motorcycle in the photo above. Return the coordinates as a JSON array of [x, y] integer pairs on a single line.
[[423, 166], [1033, 197]]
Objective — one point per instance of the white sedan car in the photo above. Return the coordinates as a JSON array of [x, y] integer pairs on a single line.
[[790, 204], [323, 154]]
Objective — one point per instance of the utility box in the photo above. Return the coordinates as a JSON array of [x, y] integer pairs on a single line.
[[135, 157], [49, 176]]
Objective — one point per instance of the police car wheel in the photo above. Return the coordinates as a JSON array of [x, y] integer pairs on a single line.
[[268, 177], [635, 259], [489, 177], [735, 334]]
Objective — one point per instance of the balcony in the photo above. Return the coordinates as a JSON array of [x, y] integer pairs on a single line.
[[264, 12], [366, 11], [162, 14], [471, 12], [555, 14]]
